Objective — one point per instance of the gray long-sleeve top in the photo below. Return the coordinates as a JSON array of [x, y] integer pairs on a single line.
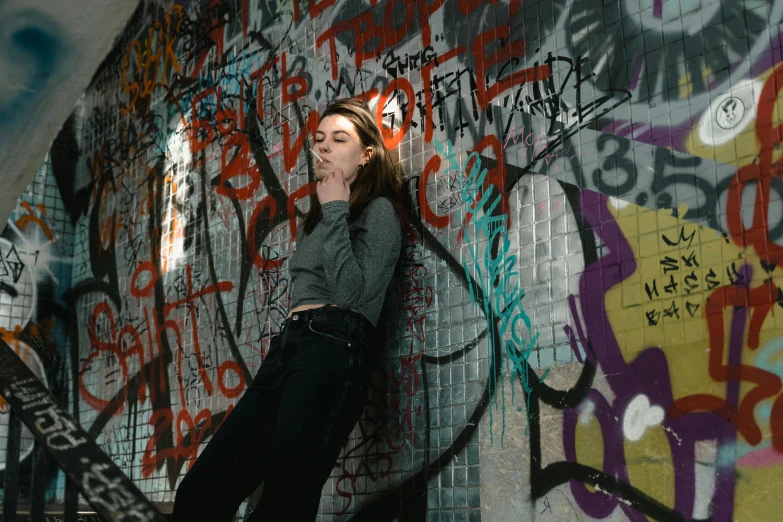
[[347, 265]]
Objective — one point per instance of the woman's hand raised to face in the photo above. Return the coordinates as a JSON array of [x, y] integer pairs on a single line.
[[333, 187]]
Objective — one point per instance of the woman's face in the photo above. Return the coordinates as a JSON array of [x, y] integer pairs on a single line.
[[338, 144]]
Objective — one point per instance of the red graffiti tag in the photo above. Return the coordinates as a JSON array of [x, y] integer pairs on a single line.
[[386, 35]]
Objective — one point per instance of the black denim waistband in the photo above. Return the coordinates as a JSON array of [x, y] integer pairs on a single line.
[[332, 312]]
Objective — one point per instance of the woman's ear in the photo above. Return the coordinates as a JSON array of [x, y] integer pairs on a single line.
[[367, 155]]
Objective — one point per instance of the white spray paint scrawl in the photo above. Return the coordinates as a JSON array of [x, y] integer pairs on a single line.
[[639, 415]]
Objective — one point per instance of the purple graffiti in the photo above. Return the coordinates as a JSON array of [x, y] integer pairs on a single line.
[[649, 375]]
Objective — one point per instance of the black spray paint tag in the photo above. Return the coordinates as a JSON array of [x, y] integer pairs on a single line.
[[105, 487]]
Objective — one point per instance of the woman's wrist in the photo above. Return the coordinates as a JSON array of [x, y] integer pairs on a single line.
[[335, 208]]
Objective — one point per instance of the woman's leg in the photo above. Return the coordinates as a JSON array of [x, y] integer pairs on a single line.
[[231, 466], [324, 394]]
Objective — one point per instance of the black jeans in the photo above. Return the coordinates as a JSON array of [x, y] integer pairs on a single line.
[[288, 428]]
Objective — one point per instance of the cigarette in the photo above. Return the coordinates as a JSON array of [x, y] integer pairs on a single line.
[[316, 155]]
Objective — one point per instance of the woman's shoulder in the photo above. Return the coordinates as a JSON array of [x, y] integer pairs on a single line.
[[381, 207], [380, 204], [380, 210]]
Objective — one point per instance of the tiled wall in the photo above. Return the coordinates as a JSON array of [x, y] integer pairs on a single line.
[[587, 321], [36, 249]]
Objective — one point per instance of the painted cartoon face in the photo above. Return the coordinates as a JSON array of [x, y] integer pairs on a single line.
[[17, 289], [730, 111], [339, 146]]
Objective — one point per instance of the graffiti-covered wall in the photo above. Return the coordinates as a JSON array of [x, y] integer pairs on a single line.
[[36, 248], [586, 322]]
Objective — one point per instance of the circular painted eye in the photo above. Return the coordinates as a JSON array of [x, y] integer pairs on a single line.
[[730, 112]]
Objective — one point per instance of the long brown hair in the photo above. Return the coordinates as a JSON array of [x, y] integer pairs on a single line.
[[381, 176]]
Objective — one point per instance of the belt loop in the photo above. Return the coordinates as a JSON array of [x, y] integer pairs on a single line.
[[361, 321]]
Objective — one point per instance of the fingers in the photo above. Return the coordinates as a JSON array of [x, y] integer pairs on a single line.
[[331, 177]]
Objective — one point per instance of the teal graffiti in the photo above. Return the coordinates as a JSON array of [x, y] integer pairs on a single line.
[[496, 275]]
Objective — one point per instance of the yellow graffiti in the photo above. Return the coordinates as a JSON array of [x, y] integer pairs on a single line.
[[661, 305]]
